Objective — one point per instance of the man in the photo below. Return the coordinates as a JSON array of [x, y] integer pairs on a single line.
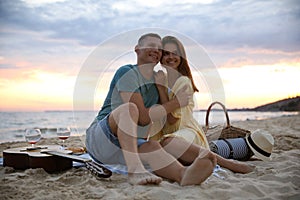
[[119, 133]]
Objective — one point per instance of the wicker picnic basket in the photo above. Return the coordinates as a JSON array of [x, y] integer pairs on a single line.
[[219, 132]]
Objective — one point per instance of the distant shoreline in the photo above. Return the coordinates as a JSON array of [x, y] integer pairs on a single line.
[[284, 105], [244, 110]]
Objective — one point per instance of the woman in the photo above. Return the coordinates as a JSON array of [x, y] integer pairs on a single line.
[[180, 123], [182, 135]]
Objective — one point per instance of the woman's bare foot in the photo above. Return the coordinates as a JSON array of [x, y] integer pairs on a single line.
[[234, 165], [143, 178], [197, 172], [240, 167]]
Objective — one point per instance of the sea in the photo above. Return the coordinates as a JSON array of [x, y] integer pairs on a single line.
[[14, 124]]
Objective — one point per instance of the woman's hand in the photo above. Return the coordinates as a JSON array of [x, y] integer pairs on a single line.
[[183, 96]]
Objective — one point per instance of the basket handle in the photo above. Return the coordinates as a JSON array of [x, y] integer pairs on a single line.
[[208, 111]]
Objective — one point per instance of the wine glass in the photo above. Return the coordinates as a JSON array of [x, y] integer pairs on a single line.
[[32, 136], [63, 134]]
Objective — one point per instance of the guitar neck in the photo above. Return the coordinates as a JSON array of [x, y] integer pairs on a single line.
[[72, 157]]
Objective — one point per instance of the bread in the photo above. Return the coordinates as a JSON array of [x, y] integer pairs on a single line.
[[77, 149]]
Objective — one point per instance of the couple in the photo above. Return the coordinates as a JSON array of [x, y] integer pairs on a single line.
[[136, 100]]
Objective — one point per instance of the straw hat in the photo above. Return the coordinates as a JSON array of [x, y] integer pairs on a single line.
[[261, 143]]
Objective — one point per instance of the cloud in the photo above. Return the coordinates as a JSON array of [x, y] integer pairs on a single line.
[[266, 24], [254, 24], [8, 66], [58, 27]]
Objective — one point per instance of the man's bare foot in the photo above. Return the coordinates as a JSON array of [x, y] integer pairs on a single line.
[[197, 172], [144, 179]]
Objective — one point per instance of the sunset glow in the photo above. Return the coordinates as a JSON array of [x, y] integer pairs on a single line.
[[246, 86], [38, 91], [251, 86]]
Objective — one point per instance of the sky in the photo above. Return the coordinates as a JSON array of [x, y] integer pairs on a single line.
[[252, 47]]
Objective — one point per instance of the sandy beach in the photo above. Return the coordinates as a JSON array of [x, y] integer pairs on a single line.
[[276, 179]]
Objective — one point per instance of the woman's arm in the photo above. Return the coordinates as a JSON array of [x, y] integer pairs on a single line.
[[160, 80], [182, 83], [164, 98]]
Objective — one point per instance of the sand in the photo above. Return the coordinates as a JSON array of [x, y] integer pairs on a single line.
[[276, 179]]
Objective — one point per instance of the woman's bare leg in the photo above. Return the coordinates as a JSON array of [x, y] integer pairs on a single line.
[[234, 165], [165, 165], [187, 152]]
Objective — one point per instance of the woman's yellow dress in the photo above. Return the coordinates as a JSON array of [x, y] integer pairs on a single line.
[[186, 126]]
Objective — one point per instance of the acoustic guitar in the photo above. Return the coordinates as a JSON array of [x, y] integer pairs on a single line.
[[51, 158]]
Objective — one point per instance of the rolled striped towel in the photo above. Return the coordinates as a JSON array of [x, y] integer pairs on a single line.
[[234, 148]]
